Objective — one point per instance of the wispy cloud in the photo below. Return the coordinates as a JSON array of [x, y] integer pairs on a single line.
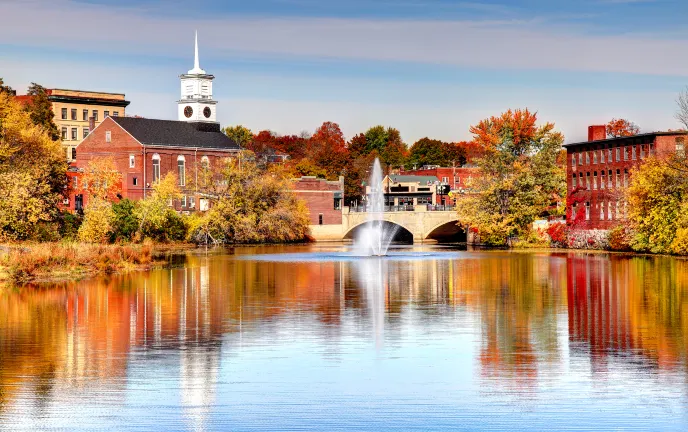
[[485, 44]]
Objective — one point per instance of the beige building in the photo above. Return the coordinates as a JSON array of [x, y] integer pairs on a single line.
[[74, 108]]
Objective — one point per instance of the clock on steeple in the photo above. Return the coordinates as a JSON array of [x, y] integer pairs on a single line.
[[196, 103]]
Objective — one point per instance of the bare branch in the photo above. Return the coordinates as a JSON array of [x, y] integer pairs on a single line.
[[682, 113]]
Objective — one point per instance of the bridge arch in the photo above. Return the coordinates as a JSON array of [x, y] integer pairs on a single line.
[[448, 232], [403, 234]]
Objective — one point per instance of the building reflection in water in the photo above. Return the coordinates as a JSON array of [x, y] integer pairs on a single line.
[[75, 336]]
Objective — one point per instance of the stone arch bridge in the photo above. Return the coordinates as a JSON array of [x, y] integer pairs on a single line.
[[420, 224]]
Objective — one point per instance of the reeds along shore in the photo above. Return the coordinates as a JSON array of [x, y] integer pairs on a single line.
[[54, 261]]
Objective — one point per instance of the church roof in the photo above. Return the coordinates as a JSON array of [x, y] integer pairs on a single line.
[[170, 133]]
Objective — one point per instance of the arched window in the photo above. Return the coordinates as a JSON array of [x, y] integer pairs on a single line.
[[205, 163], [156, 167], [181, 168]]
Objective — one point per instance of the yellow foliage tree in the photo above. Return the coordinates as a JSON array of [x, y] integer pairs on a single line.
[[155, 210], [97, 221], [101, 179], [32, 173]]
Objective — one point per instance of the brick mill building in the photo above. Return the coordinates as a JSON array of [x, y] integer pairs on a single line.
[[145, 150], [599, 169]]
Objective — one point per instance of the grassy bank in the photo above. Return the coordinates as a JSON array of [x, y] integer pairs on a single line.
[[33, 262]]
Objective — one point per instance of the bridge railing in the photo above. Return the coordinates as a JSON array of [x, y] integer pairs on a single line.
[[432, 207], [399, 208]]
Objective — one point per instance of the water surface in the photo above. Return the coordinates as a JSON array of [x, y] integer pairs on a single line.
[[313, 338]]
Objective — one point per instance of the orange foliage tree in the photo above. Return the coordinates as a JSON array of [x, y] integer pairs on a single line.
[[621, 128]]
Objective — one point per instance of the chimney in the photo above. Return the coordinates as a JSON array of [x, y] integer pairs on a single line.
[[597, 132], [91, 124]]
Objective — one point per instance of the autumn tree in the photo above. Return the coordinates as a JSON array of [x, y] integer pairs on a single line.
[[428, 151], [239, 134], [6, 89], [520, 179], [262, 141], [621, 128], [41, 110], [101, 179], [250, 205], [32, 173], [328, 149], [388, 144], [154, 213]]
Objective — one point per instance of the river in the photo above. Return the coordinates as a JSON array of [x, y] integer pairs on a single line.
[[310, 338]]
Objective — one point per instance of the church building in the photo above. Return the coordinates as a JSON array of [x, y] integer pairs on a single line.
[[144, 150]]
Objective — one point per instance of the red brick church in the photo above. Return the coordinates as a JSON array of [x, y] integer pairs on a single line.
[[144, 150]]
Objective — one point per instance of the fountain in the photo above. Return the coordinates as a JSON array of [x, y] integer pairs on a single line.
[[374, 239]]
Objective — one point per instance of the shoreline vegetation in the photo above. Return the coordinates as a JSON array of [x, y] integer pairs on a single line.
[[48, 262]]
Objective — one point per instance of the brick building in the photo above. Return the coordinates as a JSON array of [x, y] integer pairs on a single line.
[[76, 112], [323, 198], [599, 169]]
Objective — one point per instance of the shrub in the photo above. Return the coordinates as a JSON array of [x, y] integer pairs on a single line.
[[680, 244], [620, 238], [124, 222], [69, 225], [96, 225], [558, 234]]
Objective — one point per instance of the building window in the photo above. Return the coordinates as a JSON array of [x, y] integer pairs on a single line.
[[320, 219], [642, 151], [602, 210], [573, 211], [85, 114], [205, 163], [75, 132], [587, 180], [156, 167], [108, 136], [602, 180], [594, 156], [75, 182], [609, 179], [618, 153], [580, 180], [64, 134], [132, 161], [573, 181], [587, 211], [625, 153], [135, 181], [73, 113], [633, 153], [573, 163], [587, 158], [680, 147], [95, 115], [650, 149], [183, 200], [192, 202], [64, 113], [580, 158], [115, 113], [618, 214], [106, 114], [609, 153], [594, 181], [85, 132], [74, 153], [625, 183], [337, 203], [602, 156], [181, 170]]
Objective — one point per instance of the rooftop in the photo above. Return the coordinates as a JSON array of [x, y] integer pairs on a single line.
[[396, 178], [651, 135], [174, 133]]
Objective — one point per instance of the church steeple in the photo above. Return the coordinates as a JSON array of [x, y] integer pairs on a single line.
[[196, 69], [196, 103]]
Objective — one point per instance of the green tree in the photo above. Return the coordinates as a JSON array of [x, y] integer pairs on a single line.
[[6, 89], [520, 177], [124, 223], [41, 110], [155, 213], [240, 134], [388, 144]]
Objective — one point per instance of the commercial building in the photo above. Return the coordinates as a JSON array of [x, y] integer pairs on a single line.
[[459, 179], [325, 201], [599, 169], [77, 112]]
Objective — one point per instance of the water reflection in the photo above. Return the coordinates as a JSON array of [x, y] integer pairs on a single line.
[[201, 342]]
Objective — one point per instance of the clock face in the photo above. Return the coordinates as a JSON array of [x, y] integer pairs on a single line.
[[188, 111], [206, 112]]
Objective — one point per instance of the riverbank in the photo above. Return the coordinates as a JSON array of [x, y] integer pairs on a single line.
[[41, 262]]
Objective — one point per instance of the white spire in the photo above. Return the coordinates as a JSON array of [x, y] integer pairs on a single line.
[[197, 69]]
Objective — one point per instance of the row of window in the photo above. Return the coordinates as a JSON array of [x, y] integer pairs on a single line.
[[606, 180], [74, 136], [610, 154], [181, 167], [613, 209], [84, 114]]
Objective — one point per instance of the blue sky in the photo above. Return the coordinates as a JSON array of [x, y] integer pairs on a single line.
[[428, 67]]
